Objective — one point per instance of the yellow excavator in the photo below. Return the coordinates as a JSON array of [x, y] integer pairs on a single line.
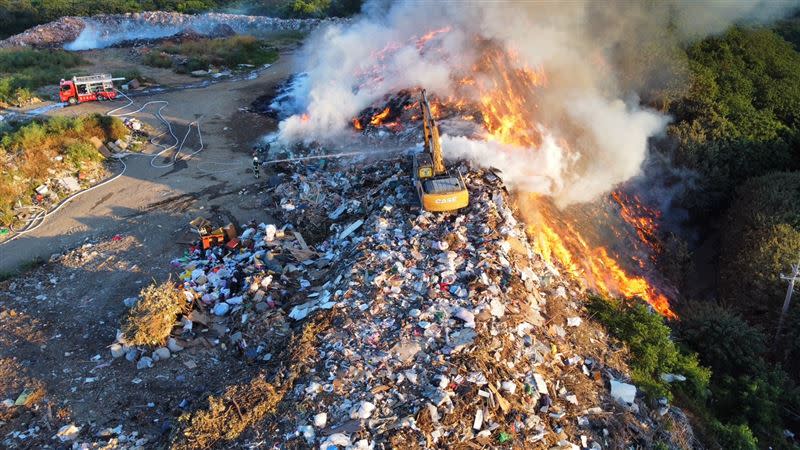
[[438, 190]]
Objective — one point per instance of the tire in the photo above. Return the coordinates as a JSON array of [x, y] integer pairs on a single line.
[[72, 101]]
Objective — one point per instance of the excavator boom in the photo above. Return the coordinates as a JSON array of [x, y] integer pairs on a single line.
[[433, 143]]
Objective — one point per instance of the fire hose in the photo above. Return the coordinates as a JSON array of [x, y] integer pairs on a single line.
[[40, 214], [38, 219]]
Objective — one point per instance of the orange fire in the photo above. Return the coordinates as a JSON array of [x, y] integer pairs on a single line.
[[643, 219], [430, 35], [357, 124], [502, 92], [378, 119], [557, 240], [507, 104], [506, 99]]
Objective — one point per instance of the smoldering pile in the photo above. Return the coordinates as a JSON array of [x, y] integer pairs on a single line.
[[82, 33]]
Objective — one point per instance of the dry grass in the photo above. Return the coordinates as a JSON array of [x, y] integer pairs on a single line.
[[244, 405], [14, 380], [149, 322]]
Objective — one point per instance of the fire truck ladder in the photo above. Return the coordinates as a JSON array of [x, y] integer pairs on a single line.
[[100, 78]]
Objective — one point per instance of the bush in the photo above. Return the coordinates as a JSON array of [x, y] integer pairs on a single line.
[[22, 71], [722, 339], [82, 152], [761, 239], [228, 52], [652, 350], [157, 59], [734, 437], [27, 152], [149, 322], [760, 400], [741, 114]]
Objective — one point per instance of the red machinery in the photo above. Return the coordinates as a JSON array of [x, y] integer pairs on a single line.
[[88, 89]]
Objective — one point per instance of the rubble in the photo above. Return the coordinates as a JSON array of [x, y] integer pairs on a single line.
[[110, 29], [440, 330]]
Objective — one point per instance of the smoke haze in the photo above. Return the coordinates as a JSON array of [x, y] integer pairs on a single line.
[[593, 133]]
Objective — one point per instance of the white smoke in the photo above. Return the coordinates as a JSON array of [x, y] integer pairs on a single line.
[[591, 140], [96, 35]]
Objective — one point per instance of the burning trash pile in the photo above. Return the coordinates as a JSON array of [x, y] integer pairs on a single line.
[[438, 330], [103, 30], [449, 330]]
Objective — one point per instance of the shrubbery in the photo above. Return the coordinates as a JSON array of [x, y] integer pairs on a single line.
[[652, 351], [740, 116], [28, 153], [200, 54], [761, 239], [742, 398], [24, 71]]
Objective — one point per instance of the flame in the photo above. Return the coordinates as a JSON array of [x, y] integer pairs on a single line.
[[501, 92], [430, 35], [378, 119], [557, 239], [507, 99], [642, 218], [357, 124], [507, 105]]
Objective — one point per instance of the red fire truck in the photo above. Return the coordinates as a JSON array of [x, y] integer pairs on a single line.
[[88, 89]]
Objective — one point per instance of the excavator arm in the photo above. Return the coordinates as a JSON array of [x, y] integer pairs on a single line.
[[433, 144]]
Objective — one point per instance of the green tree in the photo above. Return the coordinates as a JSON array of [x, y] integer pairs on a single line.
[[760, 240], [311, 7], [739, 117], [723, 340], [652, 350]]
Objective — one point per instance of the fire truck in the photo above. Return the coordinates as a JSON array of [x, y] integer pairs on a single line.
[[90, 88]]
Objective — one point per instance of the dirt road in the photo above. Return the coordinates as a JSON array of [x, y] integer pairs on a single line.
[[154, 205], [57, 321]]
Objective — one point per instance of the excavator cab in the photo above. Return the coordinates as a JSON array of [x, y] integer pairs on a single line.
[[437, 188], [423, 166]]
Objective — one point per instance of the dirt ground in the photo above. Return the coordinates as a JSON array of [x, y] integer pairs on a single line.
[[57, 321], [207, 181]]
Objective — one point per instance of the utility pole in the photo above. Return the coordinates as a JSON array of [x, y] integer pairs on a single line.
[[791, 279]]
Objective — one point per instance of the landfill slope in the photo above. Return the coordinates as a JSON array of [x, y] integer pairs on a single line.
[[350, 319], [430, 330], [114, 28]]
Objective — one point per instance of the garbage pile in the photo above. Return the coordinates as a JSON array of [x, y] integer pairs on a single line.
[[108, 29], [441, 335], [447, 329]]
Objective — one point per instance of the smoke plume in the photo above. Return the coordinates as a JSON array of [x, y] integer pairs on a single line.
[[593, 133]]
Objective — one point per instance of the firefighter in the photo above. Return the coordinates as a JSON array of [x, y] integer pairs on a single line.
[[256, 167]]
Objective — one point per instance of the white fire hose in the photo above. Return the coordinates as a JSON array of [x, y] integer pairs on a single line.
[[38, 218]]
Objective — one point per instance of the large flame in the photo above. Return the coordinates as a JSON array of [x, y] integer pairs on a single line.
[[557, 238], [501, 93]]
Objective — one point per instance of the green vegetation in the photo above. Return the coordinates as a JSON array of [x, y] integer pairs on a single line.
[[22, 71], [28, 152], [652, 351], [200, 54], [761, 239], [18, 15], [739, 398], [736, 126], [740, 115]]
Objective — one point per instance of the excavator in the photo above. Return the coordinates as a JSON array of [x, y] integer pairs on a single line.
[[438, 189]]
